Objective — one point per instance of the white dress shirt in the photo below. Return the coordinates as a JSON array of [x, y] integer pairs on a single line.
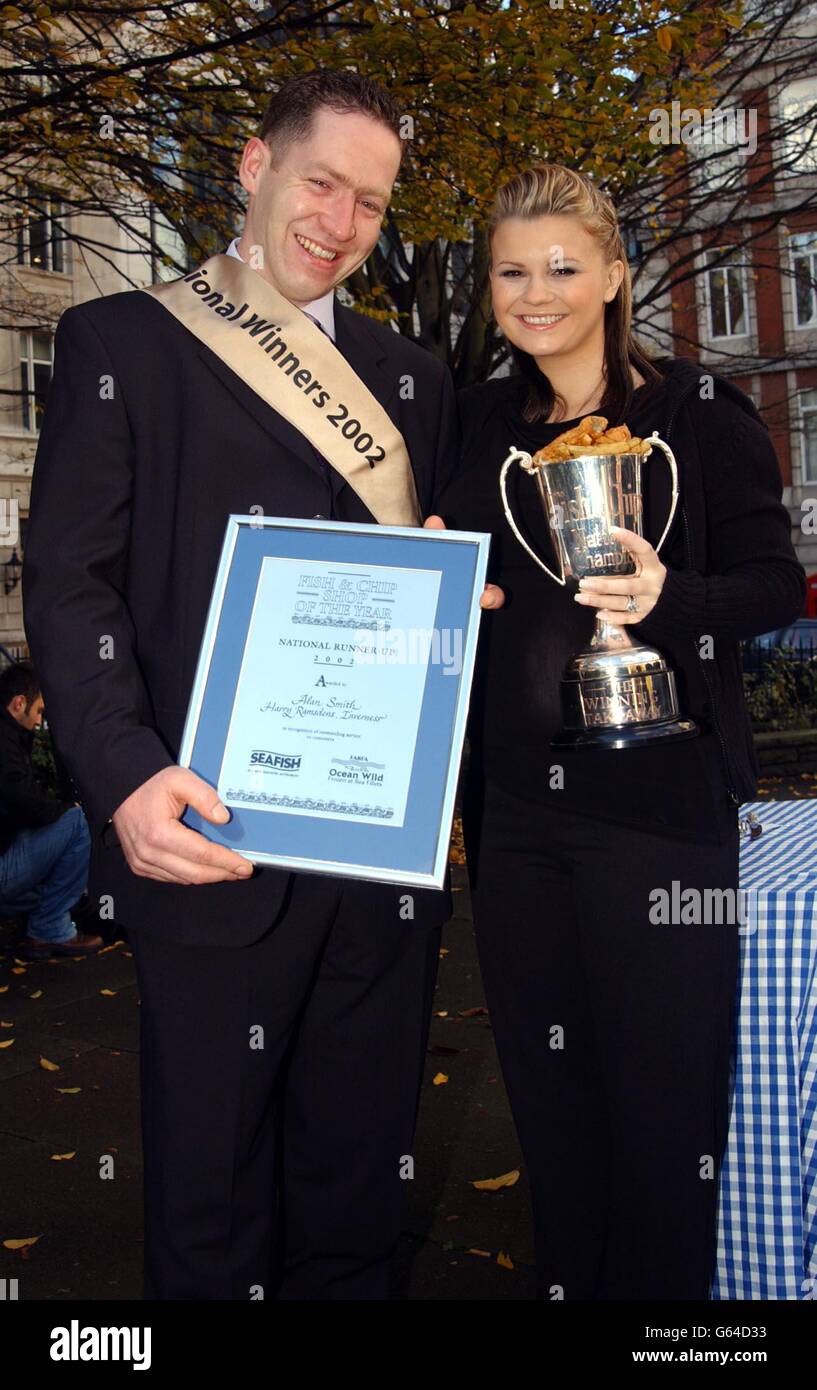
[[322, 309]]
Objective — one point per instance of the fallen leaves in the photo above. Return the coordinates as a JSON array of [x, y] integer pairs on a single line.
[[8, 1042], [59, 1158], [20, 1244], [440, 1079], [504, 1260], [48, 1066], [68, 1090], [494, 1184], [36, 995], [109, 993]]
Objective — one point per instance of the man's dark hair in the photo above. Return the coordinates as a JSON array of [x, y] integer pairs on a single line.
[[291, 111], [19, 679]]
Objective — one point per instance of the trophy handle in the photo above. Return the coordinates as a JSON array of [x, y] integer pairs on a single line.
[[525, 461], [673, 468]]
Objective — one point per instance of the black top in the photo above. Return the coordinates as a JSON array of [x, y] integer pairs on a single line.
[[23, 803], [689, 788]]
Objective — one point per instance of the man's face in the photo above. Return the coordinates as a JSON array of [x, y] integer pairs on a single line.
[[317, 215], [30, 718]]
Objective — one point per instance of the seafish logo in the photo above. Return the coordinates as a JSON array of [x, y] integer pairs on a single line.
[[281, 762]]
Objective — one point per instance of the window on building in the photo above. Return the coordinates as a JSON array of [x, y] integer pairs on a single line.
[[798, 114], [808, 416], [803, 246], [41, 240], [36, 367], [726, 294]]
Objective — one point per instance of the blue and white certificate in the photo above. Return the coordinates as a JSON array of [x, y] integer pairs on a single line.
[[331, 693], [325, 718]]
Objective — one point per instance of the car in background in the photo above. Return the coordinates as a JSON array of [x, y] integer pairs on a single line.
[[799, 640]]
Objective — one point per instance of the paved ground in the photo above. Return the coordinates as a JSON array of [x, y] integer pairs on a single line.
[[69, 1086], [81, 1017]]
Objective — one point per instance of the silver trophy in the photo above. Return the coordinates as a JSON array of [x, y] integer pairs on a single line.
[[615, 694]]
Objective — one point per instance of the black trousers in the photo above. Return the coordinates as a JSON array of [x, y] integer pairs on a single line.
[[280, 1084], [613, 1033]]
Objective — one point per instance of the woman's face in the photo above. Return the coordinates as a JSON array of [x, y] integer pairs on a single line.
[[550, 283]]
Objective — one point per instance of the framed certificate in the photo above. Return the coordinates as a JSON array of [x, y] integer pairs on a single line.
[[331, 693]]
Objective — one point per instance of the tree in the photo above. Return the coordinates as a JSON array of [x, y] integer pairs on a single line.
[[139, 114]]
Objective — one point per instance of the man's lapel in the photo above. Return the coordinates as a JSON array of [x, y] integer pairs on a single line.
[[275, 425], [358, 344]]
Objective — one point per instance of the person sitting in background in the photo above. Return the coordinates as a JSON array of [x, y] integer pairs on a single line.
[[44, 841]]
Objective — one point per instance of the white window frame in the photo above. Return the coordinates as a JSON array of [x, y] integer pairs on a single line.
[[807, 410], [717, 251], [28, 359], [794, 257], [54, 216]]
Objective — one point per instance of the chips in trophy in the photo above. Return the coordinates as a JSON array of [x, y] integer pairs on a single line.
[[615, 693]]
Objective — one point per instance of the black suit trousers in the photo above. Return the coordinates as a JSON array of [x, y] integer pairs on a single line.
[[614, 1033], [280, 1084]]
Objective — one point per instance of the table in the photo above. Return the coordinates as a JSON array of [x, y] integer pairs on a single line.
[[767, 1216]]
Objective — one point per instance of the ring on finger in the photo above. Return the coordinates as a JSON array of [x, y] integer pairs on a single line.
[[632, 604]]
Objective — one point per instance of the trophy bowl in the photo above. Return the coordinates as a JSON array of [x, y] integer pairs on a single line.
[[615, 693]]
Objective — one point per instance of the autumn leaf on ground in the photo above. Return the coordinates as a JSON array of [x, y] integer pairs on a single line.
[[4, 1024], [69, 1090], [58, 1158], [504, 1260], [109, 993], [484, 1254], [48, 1066], [494, 1184], [36, 995], [20, 1244], [8, 1042], [444, 951], [18, 970], [472, 1013], [441, 1013], [440, 1079], [3, 989]]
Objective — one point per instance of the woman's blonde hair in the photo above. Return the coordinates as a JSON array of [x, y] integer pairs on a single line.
[[554, 190]]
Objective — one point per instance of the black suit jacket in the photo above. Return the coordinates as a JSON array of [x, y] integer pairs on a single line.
[[149, 441]]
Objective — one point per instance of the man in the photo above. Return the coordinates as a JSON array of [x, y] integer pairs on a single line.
[[150, 440], [44, 840]]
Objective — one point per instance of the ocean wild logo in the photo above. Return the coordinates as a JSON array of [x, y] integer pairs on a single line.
[[276, 762], [75, 1343], [357, 771]]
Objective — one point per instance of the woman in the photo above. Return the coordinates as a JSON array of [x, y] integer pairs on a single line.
[[613, 1027]]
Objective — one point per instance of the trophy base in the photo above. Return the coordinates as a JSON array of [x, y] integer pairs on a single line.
[[625, 735]]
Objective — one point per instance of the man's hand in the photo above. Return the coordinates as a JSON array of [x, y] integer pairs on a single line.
[[492, 596], [157, 846]]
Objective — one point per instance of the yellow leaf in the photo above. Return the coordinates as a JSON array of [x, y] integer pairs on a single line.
[[18, 970], [442, 1013], [3, 1024], [109, 993], [3, 989], [440, 1079], [494, 1184], [485, 1254], [20, 1244], [504, 1260], [48, 1066], [69, 1090], [664, 39], [8, 1043], [36, 995], [444, 951], [57, 1158]]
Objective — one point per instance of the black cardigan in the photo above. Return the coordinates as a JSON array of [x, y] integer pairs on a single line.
[[731, 574]]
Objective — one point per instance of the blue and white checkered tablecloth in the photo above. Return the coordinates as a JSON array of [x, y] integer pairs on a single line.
[[767, 1232]]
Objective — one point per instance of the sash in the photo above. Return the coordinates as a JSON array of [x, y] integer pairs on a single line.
[[293, 366]]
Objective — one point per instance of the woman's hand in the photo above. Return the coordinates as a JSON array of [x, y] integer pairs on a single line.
[[611, 595], [492, 596]]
